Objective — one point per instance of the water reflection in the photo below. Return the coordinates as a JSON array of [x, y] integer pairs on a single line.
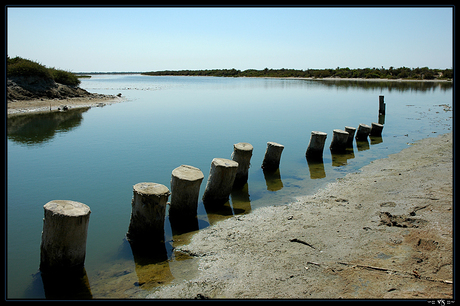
[[41, 128], [376, 140], [151, 265], [341, 159], [362, 145], [68, 286], [398, 86], [181, 226], [218, 213], [316, 168], [241, 202], [273, 180]]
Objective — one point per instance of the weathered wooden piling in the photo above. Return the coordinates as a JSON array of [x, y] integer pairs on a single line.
[[242, 153], [63, 244], [185, 188], [316, 145], [363, 131], [272, 156], [376, 129], [220, 181], [339, 140], [351, 134], [381, 105], [148, 213]]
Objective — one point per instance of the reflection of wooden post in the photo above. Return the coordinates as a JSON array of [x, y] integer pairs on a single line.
[[241, 203], [381, 106], [316, 145], [220, 181], [339, 140], [316, 168], [185, 188], [65, 227], [272, 156], [376, 129], [363, 132], [273, 180], [351, 135], [242, 153], [148, 213]]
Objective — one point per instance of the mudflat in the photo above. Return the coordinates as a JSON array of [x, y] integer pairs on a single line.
[[34, 106], [384, 232]]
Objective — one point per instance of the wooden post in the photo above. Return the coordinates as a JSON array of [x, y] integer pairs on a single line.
[[351, 135], [316, 145], [376, 129], [185, 188], [148, 213], [242, 153], [220, 181], [339, 140], [272, 156], [381, 106], [63, 244], [363, 132]]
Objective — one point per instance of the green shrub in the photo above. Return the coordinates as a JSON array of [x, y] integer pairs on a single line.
[[26, 68], [21, 67], [64, 77]]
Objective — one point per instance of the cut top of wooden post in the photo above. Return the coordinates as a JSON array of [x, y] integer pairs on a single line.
[[151, 189], [243, 146], [223, 162], [274, 144], [67, 208], [188, 173]]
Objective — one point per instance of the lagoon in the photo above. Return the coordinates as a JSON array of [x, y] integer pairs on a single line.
[[96, 155]]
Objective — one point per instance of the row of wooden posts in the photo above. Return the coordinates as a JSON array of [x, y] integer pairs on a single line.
[[65, 223]]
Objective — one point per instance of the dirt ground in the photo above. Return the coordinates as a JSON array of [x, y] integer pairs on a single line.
[[382, 233]]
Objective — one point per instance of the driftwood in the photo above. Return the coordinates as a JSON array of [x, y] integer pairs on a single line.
[[414, 273]]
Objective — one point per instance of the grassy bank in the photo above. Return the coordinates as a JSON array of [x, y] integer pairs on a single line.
[[21, 67]]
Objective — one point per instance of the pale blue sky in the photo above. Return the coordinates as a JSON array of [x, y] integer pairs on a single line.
[[148, 39]]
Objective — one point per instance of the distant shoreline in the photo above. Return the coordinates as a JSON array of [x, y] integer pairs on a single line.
[[310, 78], [354, 79]]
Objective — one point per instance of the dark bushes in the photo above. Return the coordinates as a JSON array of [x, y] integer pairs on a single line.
[[20, 67]]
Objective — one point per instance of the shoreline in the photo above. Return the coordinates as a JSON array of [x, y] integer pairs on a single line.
[[382, 232], [312, 78], [37, 106]]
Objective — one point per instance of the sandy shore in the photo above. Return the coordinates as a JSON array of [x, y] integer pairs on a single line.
[[383, 232], [24, 107]]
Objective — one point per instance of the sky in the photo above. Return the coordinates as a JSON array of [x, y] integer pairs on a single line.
[[104, 39]]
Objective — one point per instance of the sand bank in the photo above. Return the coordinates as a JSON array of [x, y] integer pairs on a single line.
[[24, 107], [382, 232]]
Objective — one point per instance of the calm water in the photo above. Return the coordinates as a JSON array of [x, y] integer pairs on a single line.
[[96, 155]]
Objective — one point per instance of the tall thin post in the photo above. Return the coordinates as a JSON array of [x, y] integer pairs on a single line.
[[381, 106]]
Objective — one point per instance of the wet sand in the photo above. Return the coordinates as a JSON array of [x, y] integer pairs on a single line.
[[384, 232]]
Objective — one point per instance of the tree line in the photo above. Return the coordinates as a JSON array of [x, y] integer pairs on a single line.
[[423, 73]]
